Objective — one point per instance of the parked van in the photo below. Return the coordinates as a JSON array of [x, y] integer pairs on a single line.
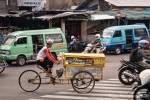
[[123, 38], [21, 46]]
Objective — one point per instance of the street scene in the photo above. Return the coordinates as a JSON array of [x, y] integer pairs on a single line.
[[74, 49], [109, 88]]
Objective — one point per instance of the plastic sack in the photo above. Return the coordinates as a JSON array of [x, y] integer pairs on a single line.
[[145, 76]]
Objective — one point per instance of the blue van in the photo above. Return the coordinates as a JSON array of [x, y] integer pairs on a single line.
[[123, 38]]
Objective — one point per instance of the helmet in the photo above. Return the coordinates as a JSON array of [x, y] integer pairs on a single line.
[[97, 36], [143, 43], [72, 37]]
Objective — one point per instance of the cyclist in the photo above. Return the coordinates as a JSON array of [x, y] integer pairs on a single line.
[[46, 59], [140, 54]]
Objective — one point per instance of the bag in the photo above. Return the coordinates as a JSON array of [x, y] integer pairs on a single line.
[[145, 76], [133, 55], [59, 72]]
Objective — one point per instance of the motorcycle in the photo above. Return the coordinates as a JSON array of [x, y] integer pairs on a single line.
[[77, 46], [98, 49], [3, 64], [142, 89], [82, 45], [128, 72]]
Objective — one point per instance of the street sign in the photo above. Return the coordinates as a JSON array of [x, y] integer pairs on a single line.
[[118, 15]]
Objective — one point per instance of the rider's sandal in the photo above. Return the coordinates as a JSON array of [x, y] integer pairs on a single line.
[[49, 75]]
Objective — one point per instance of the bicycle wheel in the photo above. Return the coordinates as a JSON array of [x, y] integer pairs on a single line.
[[142, 93], [2, 69], [83, 82], [29, 80]]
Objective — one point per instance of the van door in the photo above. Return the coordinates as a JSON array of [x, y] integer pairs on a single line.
[[129, 38], [118, 41], [21, 48]]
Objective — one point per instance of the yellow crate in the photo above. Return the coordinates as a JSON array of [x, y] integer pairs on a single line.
[[75, 62]]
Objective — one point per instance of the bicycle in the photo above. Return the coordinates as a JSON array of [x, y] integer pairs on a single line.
[[3, 64]]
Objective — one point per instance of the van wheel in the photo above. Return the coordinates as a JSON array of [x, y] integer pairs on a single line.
[[21, 60], [118, 50]]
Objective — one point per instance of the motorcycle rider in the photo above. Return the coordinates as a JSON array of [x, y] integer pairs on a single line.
[[141, 54], [74, 41], [96, 45]]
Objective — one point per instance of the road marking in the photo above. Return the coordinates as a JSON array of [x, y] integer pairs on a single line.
[[79, 98], [111, 89], [110, 85], [99, 95], [114, 79], [35, 99], [111, 82]]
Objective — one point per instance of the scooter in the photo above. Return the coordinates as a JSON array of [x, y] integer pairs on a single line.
[[98, 49]]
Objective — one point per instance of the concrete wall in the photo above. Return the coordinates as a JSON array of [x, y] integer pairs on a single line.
[[93, 23], [12, 5], [62, 4], [3, 6]]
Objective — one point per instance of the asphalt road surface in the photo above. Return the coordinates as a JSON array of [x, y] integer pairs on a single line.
[[10, 89]]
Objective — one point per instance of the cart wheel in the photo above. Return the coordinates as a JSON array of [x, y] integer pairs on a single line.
[[29, 80], [83, 82], [2, 69]]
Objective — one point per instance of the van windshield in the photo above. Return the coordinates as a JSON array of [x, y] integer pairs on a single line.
[[8, 40], [107, 33]]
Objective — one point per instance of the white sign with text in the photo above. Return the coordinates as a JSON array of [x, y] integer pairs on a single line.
[[28, 2]]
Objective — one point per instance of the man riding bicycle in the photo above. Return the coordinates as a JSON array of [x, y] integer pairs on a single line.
[[46, 59]]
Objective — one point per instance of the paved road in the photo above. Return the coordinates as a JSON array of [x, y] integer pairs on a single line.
[[110, 89], [10, 90]]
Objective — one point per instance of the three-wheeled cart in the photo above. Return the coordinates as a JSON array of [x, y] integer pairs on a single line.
[[81, 70]]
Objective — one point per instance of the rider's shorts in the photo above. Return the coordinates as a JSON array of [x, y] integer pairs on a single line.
[[46, 63]]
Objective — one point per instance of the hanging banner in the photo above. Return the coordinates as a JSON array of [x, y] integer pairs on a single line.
[[29, 2]]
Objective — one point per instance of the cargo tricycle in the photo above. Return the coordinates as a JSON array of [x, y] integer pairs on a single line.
[[80, 70]]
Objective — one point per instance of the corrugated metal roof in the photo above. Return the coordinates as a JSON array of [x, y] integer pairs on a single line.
[[101, 17], [131, 14], [134, 3], [45, 17], [65, 14], [9, 15]]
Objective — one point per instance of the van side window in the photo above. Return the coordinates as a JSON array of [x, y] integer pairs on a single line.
[[117, 34], [140, 32], [22, 40], [56, 37]]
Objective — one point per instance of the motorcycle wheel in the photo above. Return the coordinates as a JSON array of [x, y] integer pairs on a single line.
[[141, 93], [124, 79]]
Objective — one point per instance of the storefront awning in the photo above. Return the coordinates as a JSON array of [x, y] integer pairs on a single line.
[[101, 17], [131, 14]]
